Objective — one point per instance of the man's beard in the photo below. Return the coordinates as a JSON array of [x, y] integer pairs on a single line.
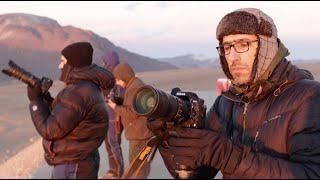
[[65, 71]]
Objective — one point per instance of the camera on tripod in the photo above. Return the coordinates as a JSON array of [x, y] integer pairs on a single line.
[[179, 107]]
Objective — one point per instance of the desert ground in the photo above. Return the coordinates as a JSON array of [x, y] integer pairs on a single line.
[[20, 145]]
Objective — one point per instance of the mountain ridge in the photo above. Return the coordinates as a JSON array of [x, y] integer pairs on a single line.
[[35, 37], [191, 61]]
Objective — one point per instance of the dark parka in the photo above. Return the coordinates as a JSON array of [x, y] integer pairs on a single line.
[[76, 125], [281, 134]]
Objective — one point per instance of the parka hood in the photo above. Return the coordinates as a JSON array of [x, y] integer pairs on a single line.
[[94, 73]]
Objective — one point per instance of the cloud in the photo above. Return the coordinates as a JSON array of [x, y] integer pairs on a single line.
[[163, 4], [153, 34], [133, 6], [142, 35]]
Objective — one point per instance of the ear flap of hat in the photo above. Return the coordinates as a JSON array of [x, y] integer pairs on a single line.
[[225, 67]]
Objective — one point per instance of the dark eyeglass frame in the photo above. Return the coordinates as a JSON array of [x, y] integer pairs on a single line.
[[220, 49]]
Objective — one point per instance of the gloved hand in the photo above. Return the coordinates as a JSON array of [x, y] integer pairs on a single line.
[[198, 147], [168, 159], [157, 126], [203, 172], [35, 93], [47, 96]]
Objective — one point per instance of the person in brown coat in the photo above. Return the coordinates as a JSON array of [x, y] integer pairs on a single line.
[[135, 126], [267, 125]]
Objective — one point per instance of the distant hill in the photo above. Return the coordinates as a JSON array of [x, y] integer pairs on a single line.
[[191, 61], [305, 61], [200, 61], [35, 43]]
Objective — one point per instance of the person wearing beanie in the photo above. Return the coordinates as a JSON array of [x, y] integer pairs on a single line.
[[135, 126], [267, 124], [76, 123], [113, 139]]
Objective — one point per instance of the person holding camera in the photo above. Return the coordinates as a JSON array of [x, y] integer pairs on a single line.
[[75, 126], [113, 139], [267, 125], [135, 126]]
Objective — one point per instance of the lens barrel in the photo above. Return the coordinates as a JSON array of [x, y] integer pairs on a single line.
[[155, 103], [21, 74]]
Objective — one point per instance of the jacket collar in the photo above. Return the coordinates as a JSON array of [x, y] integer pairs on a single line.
[[130, 81], [93, 73]]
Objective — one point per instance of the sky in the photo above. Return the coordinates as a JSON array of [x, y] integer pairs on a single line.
[[166, 29]]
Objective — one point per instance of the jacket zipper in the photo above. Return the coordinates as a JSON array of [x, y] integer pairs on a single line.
[[244, 119]]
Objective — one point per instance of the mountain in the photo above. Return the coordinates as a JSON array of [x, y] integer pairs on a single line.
[[191, 61], [35, 42], [200, 61]]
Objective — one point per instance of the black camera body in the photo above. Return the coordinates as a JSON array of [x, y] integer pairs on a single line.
[[197, 110], [26, 77], [114, 96], [179, 107]]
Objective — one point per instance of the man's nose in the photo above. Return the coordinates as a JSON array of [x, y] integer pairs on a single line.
[[61, 65], [233, 54]]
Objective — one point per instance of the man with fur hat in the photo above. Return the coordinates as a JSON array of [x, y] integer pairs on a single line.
[[135, 126], [75, 125], [267, 125]]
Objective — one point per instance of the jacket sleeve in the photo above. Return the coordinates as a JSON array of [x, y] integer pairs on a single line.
[[303, 147], [63, 118]]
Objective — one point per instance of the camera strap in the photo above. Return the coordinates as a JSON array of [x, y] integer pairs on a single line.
[[146, 155]]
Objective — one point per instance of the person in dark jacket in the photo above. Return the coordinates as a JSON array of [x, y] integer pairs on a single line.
[[135, 126], [267, 125], [113, 139], [75, 126]]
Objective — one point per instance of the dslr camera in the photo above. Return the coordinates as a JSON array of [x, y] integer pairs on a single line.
[[26, 77], [115, 96], [30, 79], [178, 108]]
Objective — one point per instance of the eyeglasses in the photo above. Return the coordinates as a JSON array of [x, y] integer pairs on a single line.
[[239, 47]]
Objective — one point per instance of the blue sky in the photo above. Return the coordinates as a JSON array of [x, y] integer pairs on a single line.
[[163, 29]]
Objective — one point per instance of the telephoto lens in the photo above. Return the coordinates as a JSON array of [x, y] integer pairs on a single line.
[[26, 77], [21, 74], [155, 104]]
